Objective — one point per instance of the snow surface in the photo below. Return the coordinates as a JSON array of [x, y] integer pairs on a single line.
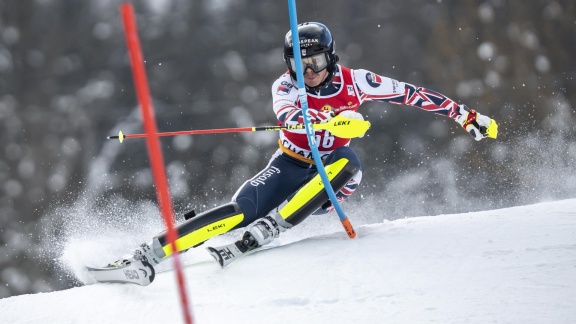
[[513, 265]]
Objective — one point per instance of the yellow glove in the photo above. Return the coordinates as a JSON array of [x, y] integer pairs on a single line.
[[477, 125]]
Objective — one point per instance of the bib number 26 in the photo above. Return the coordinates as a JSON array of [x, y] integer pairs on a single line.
[[325, 140]]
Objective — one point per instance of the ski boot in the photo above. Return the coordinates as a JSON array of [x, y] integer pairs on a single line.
[[143, 253], [137, 268]]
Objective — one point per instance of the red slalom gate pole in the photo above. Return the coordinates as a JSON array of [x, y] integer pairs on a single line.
[[153, 145]]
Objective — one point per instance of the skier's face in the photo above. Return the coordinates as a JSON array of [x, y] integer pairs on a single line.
[[313, 79], [314, 68]]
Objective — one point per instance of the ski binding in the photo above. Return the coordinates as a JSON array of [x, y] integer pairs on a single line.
[[229, 253], [225, 254]]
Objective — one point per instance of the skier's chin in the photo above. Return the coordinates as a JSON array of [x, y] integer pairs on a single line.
[[313, 81]]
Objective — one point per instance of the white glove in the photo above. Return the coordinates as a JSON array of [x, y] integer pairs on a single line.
[[352, 114], [477, 125]]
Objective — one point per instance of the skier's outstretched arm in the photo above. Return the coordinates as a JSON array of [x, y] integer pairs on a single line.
[[373, 87]]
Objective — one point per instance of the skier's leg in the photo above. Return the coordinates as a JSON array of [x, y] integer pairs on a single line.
[[255, 198], [272, 186], [341, 195], [192, 233], [342, 166]]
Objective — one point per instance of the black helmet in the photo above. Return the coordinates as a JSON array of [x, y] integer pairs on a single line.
[[315, 38]]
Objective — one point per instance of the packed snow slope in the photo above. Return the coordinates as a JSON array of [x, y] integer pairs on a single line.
[[514, 265]]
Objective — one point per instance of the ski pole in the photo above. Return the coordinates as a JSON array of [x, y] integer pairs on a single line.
[[339, 126], [311, 127]]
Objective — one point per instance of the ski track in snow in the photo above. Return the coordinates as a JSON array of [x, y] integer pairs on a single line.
[[513, 265]]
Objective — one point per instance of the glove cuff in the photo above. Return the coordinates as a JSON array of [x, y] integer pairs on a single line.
[[467, 117]]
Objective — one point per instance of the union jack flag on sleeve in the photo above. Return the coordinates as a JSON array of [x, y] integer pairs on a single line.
[[373, 87]]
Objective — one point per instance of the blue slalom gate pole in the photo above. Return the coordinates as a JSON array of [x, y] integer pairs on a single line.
[[308, 125]]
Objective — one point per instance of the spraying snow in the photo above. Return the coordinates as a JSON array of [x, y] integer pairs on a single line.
[[513, 265]]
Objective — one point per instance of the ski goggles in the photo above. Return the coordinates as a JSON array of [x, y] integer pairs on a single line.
[[316, 62]]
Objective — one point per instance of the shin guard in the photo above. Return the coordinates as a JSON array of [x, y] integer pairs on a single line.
[[313, 194], [200, 228]]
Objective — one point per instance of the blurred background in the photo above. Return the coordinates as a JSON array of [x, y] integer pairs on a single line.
[[66, 84]]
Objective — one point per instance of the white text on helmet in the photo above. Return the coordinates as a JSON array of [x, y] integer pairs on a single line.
[[307, 42]]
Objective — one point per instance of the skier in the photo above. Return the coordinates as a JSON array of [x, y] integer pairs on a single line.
[[285, 192]]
